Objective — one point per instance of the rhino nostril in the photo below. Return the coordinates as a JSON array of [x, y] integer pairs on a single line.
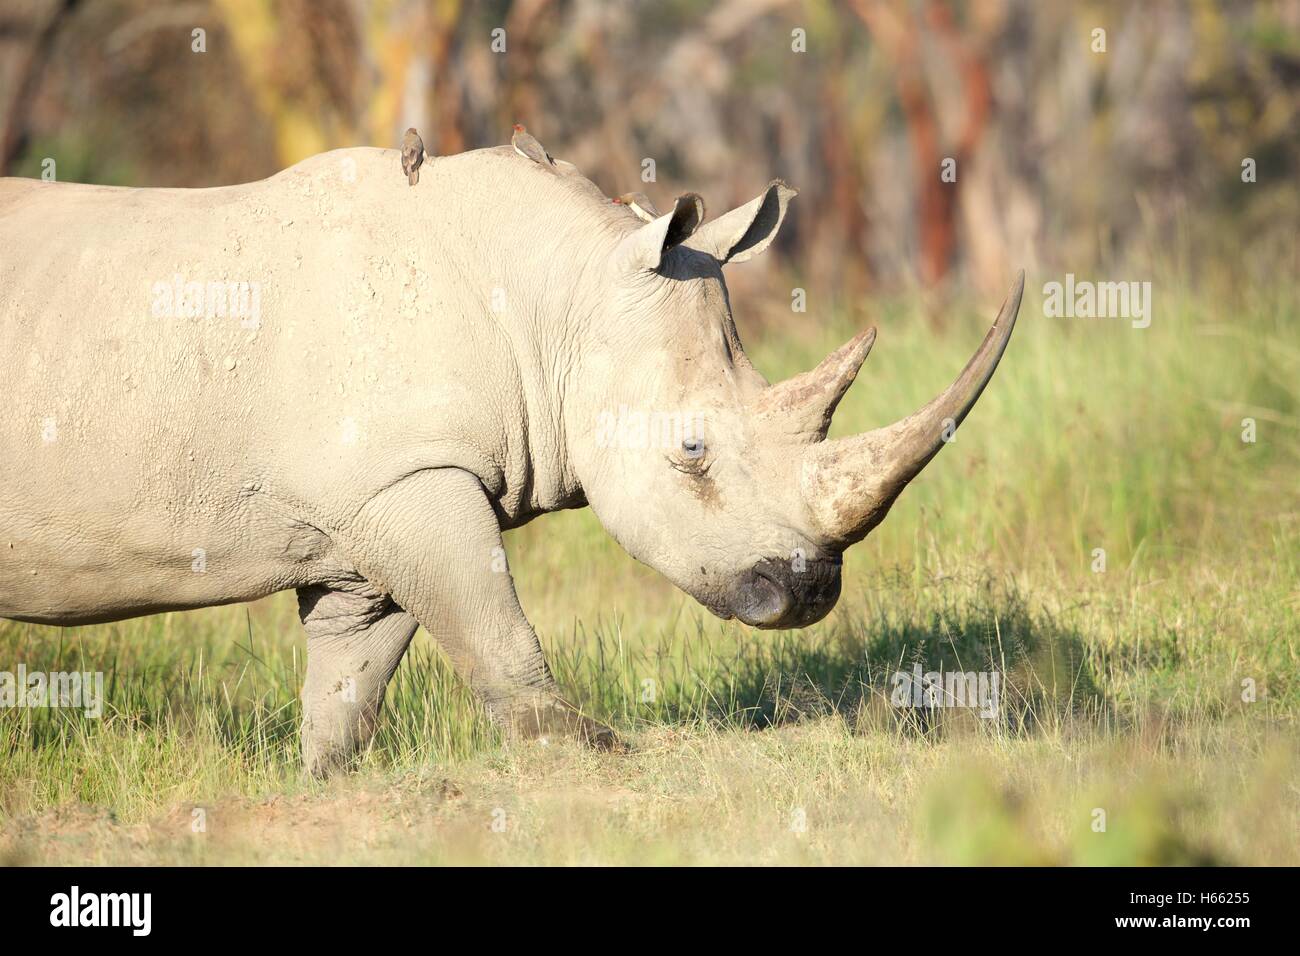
[[761, 599]]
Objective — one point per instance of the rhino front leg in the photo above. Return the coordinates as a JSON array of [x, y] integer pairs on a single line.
[[433, 542], [354, 644]]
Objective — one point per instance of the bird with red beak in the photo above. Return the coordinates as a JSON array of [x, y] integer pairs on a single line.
[[527, 146]]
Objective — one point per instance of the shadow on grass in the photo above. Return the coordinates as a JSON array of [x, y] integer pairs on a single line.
[[915, 660], [1023, 669]]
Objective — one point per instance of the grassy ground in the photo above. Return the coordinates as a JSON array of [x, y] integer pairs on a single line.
[[1158, 696]]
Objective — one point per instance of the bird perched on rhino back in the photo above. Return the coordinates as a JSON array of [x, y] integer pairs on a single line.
[[412, 155], [640, 204], [527, 146]]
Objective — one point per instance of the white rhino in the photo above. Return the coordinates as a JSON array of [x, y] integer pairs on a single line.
[[334, 382]]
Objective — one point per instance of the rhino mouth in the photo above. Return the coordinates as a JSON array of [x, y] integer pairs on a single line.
[[780, 594]]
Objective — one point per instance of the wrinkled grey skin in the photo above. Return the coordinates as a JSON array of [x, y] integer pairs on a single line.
[[430, 365]]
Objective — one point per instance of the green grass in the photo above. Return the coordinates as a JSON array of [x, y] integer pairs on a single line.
[[1123, 689]]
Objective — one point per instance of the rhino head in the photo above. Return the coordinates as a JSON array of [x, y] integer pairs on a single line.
[[725, 484]]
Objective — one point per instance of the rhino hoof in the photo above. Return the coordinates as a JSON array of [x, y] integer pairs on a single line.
[[558, 719]]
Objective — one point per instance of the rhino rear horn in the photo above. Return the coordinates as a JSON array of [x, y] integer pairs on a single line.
[[850, 483], [801, 407]]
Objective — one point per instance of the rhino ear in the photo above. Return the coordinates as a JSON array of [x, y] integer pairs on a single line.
[[644, 249], [688, 213], [747, 230]]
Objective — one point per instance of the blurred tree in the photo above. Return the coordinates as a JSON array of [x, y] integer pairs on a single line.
[[27, 31], [897, 28], [302, 63], [1067, 157]]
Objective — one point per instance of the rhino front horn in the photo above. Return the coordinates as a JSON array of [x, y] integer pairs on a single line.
[[850, 483]]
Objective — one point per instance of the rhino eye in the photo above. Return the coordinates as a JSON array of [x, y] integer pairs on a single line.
[[693, 447]]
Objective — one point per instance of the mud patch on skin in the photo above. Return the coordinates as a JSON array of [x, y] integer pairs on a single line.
[[705, 489]]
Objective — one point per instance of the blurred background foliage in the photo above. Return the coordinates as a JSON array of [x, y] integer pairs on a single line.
[[1067, 158]]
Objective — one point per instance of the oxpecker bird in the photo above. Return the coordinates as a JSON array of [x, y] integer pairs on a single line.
[[528, 147], [412, 155], [640, 204]]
